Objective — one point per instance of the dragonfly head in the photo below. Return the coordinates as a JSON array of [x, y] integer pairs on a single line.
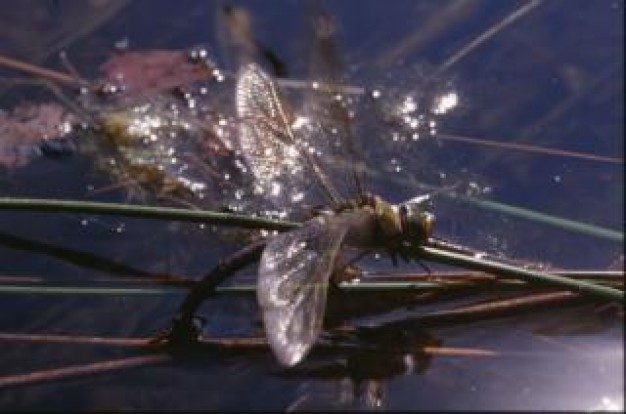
[[416, 220]]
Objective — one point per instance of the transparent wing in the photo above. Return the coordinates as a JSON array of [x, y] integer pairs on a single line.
[[273, 158], [279, 160], [293, 279], [331, 108], [257, 97]]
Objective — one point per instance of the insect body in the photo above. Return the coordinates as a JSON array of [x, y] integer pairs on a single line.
[[296, 266]]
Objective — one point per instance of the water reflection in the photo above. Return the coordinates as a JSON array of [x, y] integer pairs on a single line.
[[359, 380]]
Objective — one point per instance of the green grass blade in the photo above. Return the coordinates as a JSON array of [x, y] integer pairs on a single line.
[[140, 211], [533, 276]]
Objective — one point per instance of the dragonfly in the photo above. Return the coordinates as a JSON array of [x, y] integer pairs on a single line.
[[297, 266]]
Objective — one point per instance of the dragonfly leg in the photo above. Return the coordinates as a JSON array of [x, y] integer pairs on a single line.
[[423, 266], [185, 328], [347, 271]]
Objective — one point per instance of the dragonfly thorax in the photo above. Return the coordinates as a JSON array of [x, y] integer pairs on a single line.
[[370, 222], [373, 222]]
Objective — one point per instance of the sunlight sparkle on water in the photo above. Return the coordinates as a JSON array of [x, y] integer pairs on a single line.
[[408, 105], [445, 103]]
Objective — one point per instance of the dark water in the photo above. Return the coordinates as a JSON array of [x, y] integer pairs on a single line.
[[553, 78]]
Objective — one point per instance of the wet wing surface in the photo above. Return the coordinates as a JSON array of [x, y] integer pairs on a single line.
[[293, 279]]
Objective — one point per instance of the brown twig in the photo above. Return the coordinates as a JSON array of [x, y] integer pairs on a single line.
[[77, 257], [74, 339], [73, 371], [474, 276], [182, 330], [220, 343], [486, 310], [50, 74], [529, 148]]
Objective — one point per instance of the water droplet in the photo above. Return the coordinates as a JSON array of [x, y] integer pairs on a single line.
[[218, 75]]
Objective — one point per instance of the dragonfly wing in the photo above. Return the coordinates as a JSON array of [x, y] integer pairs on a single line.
[[256, 95], [280, 159], [293, 279], [330, 108], [263, 138]]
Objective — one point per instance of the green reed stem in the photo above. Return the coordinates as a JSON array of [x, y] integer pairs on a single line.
[[236, 289], [571, 225], [148, 212], [427, 253], [536, 216], [562, 223], [246, 289], [534, 276]]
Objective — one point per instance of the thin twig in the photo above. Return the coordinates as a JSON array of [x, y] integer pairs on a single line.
[[50, 74], [223, 343], [487, 34], [182, 329], [473, 313], [76, 257], [74, 340], [529, 148], [73, 371]]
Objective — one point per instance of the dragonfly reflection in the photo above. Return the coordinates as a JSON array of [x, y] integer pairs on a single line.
[[296, 266]]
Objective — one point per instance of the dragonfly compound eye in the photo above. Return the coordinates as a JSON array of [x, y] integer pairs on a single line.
[[417, 224]]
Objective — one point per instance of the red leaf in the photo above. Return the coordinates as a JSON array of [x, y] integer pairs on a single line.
[[150, 71]]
